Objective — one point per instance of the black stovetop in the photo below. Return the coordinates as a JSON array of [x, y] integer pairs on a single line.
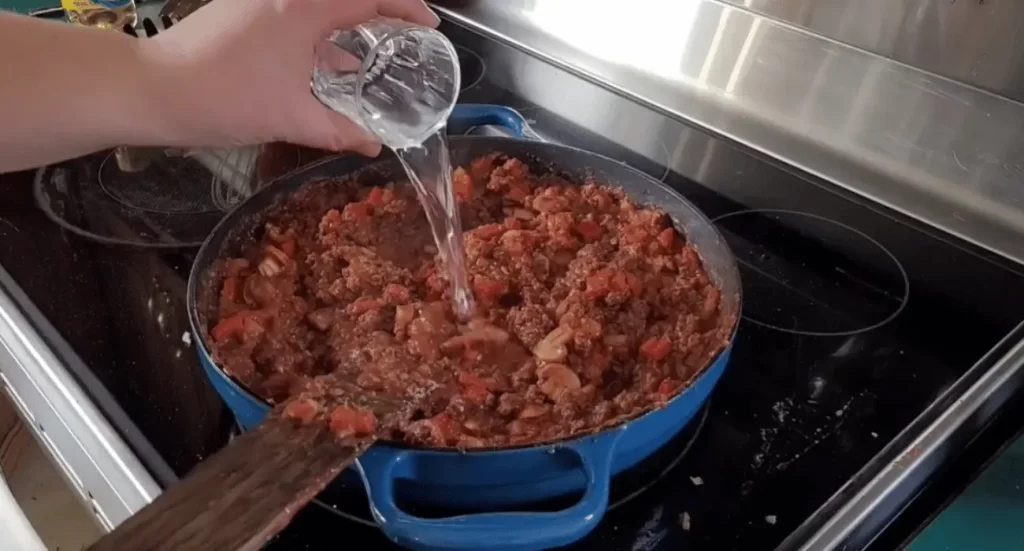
[[855, 321]]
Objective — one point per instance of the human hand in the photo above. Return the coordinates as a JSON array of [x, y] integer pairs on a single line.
[[237, 72]]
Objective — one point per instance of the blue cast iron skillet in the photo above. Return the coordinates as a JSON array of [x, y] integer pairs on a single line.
[[492, 479]]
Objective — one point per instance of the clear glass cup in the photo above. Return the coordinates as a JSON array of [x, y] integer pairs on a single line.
[[397, 80]]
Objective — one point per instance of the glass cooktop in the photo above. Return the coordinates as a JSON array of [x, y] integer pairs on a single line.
[[855, 321]]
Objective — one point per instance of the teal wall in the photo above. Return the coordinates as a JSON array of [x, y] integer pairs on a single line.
[[988, 516], [25, 5]]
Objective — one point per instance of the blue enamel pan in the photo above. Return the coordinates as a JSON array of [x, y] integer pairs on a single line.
[[493, 479]]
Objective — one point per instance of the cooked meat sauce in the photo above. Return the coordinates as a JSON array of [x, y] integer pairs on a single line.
[[590, 310]]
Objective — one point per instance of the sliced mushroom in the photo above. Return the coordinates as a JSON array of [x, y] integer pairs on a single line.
[[481, 331], [523, 214], [616, 341], [274, 261], [404, 314], [321, 319], [552, 348], [557, 379], [532, 411]]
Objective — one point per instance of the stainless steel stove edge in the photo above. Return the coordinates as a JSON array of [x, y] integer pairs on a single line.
[[885, 494], [93, 458]]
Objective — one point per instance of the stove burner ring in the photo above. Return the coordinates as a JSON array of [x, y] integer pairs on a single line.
[[182, 194], [76, 197], [613, 505], [472, 67], [844, 333]]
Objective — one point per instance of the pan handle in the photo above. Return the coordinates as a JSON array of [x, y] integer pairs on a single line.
[[481, 114], [512, 531]]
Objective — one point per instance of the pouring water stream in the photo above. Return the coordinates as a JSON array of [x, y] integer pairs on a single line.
[[430, 172], [400, 82]]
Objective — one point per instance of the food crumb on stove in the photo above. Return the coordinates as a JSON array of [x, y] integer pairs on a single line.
[[770, 519], [684, 521], [186, 338], [697, 481]]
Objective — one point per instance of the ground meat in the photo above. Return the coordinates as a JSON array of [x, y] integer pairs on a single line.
[[590, 310]]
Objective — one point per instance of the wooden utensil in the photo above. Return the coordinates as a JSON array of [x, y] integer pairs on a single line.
[[249, 491]]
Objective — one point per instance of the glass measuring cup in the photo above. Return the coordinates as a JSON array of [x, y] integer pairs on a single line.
[[397, 80]]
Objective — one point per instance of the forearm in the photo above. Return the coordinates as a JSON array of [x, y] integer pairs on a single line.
[[67, 91]]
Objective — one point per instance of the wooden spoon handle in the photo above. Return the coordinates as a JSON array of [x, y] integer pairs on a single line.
[[242, 496]]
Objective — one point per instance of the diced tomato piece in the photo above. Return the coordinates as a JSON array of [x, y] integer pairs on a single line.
[[488, 232], [375, 197], [518, 191], [655, 348], [476, 395], [360, 211], [589, 230], [443, 429], [625, 282], [352, 422], [364, 305], [433, 281], [667, 387], [607, 280], [288, 248], [474, 388], [482, 167], [229, 292], [379, 197], [303, 410], [488, 290], [229, 326], [598, 284], [667, 238], [462, 184], [470, 379]]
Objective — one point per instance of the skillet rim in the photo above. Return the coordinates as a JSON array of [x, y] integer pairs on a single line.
[[206, 259]]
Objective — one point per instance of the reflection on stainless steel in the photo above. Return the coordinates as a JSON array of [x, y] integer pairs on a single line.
[[96, 462], [936, 150], [977, 42]]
